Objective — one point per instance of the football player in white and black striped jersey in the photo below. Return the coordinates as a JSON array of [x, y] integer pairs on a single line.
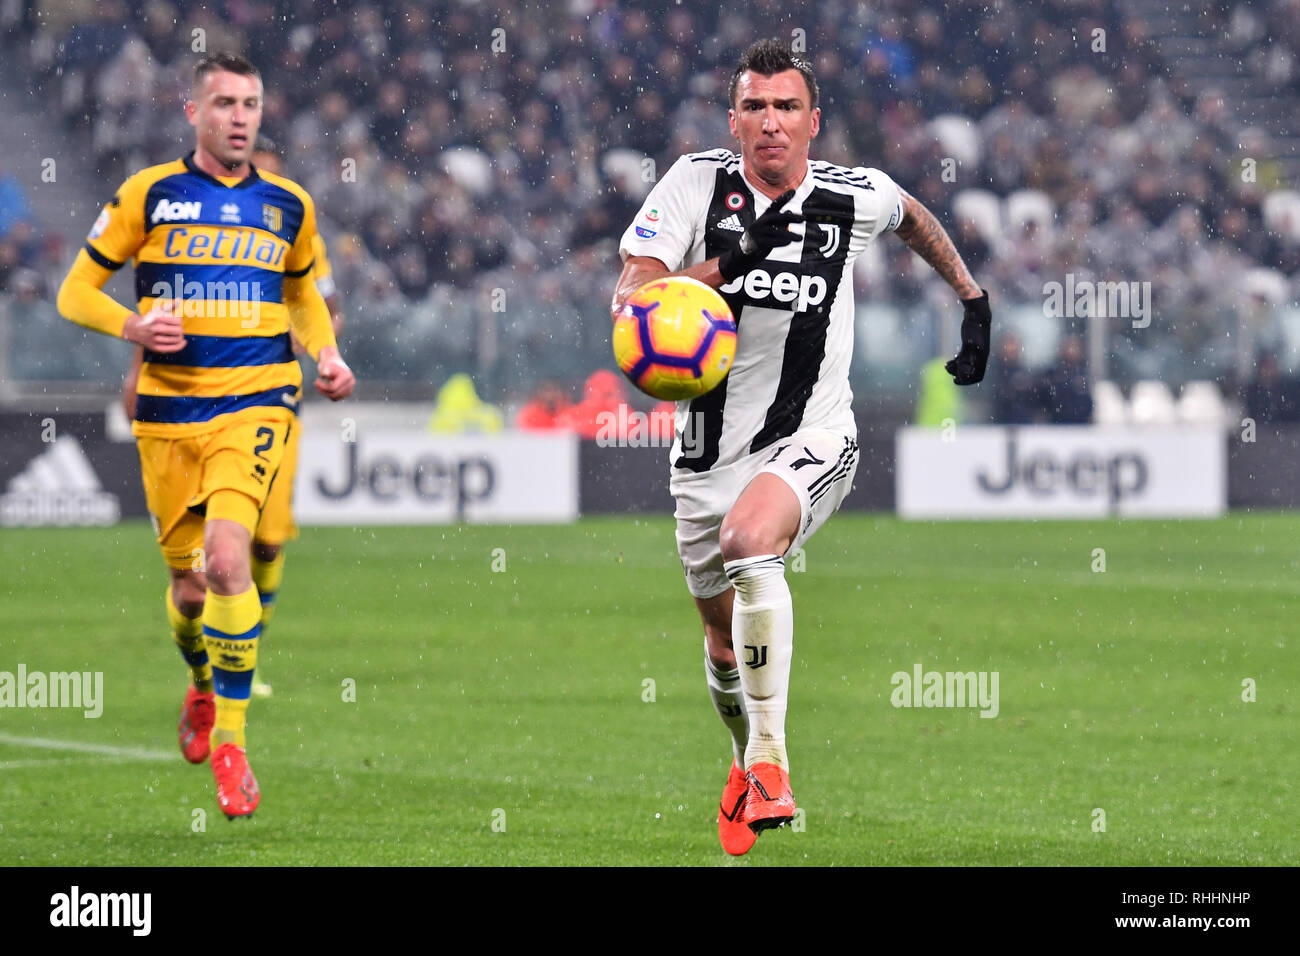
[[762, 461]]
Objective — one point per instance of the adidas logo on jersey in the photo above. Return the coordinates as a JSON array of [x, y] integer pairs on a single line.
[[168, 211], [759, 284], [732, 223]]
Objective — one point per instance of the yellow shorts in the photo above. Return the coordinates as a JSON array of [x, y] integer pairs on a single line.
[[181, 474], [276, 526]]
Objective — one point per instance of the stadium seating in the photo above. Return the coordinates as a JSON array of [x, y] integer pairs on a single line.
[[1108, 404], [1201, 403], [626, 168], [1152, 403], [1031, 205], [984, 209], [1269, 284], [1281, 212], [958, 138], [470, 168], [1105, 204], [1040, 335]]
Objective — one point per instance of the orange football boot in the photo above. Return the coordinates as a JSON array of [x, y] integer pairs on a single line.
[[768, 802], [236, 786], [735, 835], [198, 715]]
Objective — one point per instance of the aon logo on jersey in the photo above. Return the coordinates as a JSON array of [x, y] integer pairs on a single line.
[[784, 287], [167, 211]]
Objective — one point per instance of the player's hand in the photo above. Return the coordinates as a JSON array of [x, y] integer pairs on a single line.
[[968, 366], [334, 379], [764, 234], [158, 330]]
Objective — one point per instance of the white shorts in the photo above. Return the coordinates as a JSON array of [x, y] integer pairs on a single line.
[[818, 465]]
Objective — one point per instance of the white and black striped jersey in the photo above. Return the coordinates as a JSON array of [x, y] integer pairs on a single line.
[[794, 310]]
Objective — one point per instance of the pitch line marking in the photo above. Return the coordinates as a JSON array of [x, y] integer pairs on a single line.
[[56, 761], [105, 750]]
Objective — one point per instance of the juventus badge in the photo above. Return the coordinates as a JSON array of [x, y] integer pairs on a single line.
[[832, 231]]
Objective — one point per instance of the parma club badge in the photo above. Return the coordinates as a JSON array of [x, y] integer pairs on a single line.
[[272, 217]]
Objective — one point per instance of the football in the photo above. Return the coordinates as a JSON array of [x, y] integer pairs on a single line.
[[675, 338]]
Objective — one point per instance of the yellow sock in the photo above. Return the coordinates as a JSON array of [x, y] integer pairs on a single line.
[[231, 626], [267, 576], [232, 718], [187, 632]]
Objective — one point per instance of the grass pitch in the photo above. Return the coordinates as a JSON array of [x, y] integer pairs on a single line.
[[554, 712]]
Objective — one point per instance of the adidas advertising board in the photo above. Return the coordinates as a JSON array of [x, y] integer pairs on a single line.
[[60, 470]]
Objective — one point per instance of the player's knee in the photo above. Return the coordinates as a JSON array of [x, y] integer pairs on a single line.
[[188, 592], [717, 645], [266, 552], [746, 539], [228, 569]]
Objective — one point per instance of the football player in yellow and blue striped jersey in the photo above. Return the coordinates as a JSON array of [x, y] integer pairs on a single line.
[[275, 525], [223, 256]]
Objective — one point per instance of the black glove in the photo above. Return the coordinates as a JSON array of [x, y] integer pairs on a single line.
[[968, 366], [765, 233]]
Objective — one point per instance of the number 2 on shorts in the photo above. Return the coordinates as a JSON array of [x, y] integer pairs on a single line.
[[266, 445]]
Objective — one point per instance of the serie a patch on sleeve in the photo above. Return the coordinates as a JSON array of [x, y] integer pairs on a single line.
[[895, 218], [101, 224]]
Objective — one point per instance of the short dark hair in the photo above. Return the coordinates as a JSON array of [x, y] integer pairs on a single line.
[[224, 63], [768, 58]]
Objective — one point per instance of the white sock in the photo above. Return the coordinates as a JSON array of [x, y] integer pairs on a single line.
[[729, 702], [762, 634]]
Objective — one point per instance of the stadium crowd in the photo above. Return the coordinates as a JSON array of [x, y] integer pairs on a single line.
[[459, 154]]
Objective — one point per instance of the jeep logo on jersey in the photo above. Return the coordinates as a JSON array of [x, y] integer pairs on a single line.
[[168, 211], [784, 287]]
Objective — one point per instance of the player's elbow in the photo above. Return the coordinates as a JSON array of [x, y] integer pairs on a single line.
[[914, 212]]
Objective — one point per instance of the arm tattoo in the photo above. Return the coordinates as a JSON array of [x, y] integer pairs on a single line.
[[924, 236]]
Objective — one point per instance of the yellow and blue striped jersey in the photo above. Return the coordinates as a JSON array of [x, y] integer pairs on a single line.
[[222, 249]]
